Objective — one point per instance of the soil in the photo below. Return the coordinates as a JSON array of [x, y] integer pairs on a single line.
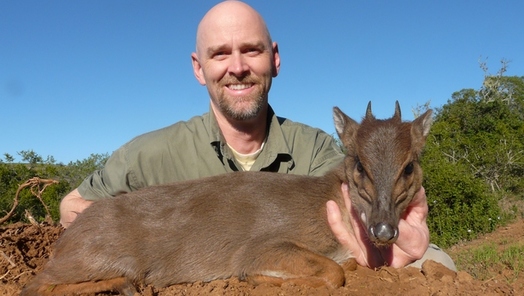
[[24, 248]]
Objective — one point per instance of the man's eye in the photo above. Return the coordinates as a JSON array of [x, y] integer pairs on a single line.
[[252, 51], [219, 54]]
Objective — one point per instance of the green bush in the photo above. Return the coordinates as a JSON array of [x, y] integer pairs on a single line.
[[473, 156], [460, 205], [12, 175]]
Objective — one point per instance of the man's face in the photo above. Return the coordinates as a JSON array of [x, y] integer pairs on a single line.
[[236, 60]]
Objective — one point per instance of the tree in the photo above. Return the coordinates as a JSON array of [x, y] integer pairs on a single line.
[[486, 133], [473, 156]]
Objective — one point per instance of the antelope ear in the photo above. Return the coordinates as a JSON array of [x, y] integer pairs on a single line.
[[424, 122], [345, 126], [420, 129]]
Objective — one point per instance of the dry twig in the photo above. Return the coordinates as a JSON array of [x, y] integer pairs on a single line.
[[37, 188], [7, 258], [5, 274]]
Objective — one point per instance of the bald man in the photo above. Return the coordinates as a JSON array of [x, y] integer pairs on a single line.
[[236, 60]]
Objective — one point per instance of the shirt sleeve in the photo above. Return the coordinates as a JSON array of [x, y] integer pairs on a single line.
[[328, 154], [114, 179]]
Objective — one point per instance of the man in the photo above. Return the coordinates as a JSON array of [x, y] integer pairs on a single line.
[[236, 60]]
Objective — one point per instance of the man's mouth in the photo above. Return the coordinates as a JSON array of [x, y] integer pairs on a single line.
[[239, 86]]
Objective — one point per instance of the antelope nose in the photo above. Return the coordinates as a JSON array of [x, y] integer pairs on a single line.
[[383, 233]]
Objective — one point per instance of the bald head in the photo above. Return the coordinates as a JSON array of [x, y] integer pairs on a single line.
[[226, 18], [236, 60]]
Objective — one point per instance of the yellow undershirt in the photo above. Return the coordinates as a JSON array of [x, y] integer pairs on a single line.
[[246, 160]]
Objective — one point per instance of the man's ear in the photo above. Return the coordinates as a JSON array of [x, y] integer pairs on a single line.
[[276, 60], [197, 69]]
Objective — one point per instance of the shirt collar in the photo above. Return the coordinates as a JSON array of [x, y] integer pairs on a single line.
[[276, 144]]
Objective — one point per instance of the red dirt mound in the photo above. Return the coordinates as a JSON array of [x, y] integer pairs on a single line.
[[24, 248]]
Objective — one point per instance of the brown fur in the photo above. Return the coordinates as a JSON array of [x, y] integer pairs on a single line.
[[262, 227]]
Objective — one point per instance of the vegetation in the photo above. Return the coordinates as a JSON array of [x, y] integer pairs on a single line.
[[474, 160], [473, 164], [13, 175], [485, 258]]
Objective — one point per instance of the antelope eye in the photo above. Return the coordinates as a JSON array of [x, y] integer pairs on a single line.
[[408, 170], [360, 168]]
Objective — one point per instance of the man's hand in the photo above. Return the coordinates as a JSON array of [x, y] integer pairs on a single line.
[[411, 244], [70, 206]]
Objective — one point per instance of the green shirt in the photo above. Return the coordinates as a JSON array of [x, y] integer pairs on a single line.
[[196, 148]]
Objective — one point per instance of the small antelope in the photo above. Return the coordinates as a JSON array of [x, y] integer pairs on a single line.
[[261, 227]]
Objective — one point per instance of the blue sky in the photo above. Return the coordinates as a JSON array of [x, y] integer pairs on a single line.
[[82, 77]]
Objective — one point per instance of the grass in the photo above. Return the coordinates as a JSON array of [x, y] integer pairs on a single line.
[[488, 260]]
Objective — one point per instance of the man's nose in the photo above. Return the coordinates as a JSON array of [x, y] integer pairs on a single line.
[[238, 65]]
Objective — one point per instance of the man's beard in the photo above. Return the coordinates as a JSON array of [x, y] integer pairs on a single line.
[[242, 108], [251, 107]]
